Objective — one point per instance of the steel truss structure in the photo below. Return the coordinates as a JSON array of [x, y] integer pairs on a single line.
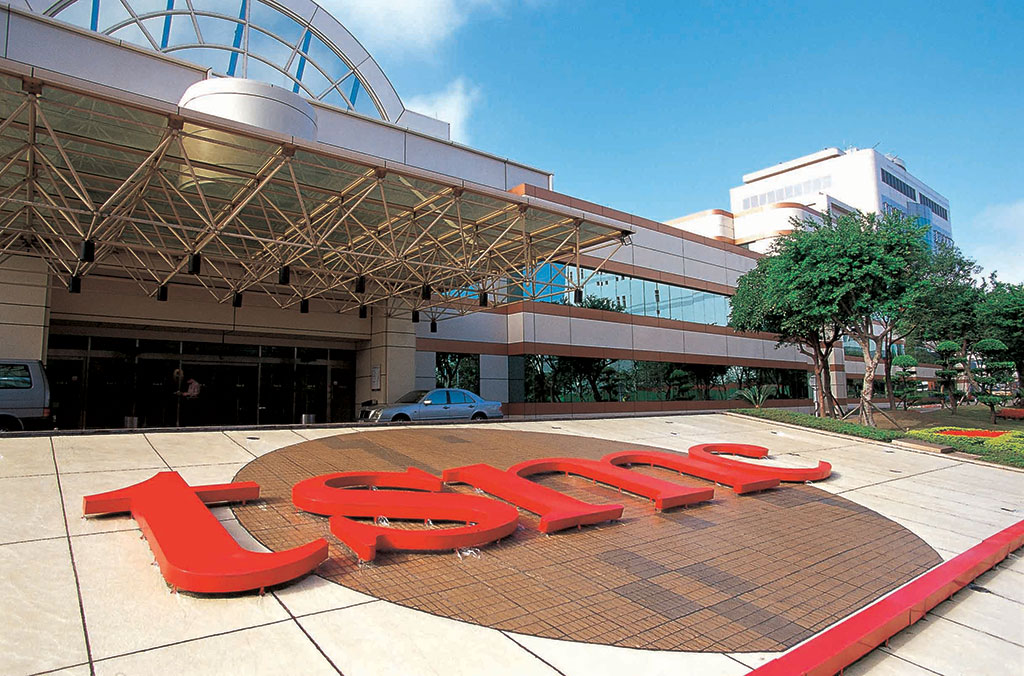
[[96, 186]]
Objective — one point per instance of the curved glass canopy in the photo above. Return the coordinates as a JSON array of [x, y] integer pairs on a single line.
[[295, 45]]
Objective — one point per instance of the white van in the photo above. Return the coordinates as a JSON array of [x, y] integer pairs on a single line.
[[24, 395]]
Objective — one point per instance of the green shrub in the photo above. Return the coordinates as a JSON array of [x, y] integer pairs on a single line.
[[756, 394], [826, 424], [1007, 449]]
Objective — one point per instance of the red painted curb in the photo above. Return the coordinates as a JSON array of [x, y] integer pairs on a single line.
[[843, 644]]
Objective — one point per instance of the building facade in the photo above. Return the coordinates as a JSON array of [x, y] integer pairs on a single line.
[[223, 214], [840, 181]]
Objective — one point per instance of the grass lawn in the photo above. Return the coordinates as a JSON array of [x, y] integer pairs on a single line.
[[974, 417], [1007, 449]]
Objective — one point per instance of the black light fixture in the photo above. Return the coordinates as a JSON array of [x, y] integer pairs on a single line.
[[161, 293], [195, 263], [304, 306], [236, 299], [87, 251], [425, 292], [284, 275], [433, 326], [415, 316], [360, 284], [75, 284], [362, 312], [577, 296], [483, 299]]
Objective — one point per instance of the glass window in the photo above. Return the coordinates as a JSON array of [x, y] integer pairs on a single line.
[[268, 47], [326, 59], [59, 342], [273, 22], [15, 377], [411, 397], [437, 398], [458, 397]]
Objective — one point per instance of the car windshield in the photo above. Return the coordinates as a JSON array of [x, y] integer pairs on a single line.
[[411, 397]]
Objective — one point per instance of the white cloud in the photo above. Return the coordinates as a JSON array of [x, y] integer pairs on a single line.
[[453, 104], [405, 27], [995, 238]]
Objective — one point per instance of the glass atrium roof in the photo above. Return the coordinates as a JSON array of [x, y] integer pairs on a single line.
[[298, 46]]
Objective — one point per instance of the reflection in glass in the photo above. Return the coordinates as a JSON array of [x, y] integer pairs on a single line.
[[550, 378]]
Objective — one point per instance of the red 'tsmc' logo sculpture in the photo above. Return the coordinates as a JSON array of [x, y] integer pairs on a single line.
[[196, 553]]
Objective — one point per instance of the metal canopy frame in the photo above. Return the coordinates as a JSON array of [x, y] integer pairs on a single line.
[[148, 188]]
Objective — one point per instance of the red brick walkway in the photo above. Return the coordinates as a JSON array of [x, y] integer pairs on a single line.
[[753, 573]]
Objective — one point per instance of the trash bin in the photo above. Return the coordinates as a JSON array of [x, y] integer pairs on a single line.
[[131, 422], [308, 418]]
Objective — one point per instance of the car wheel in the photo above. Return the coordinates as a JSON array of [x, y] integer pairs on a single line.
[[401, 417], [8, 424], [479, 415]]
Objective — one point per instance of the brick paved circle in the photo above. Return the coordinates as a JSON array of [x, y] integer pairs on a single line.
[[743, 573]]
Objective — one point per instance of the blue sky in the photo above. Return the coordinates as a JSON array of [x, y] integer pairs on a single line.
[[658, 108]]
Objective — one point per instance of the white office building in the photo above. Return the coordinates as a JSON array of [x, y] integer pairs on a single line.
[[856, 179]]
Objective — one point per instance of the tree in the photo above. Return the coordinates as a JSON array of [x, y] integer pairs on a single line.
[[906, 380], [706, 377], [949, 309], [453, 369], [865, 272], [992, 373], [756, 394], [602, 303], [770, 299], [584, 371], [679, 385], [947, 376], [1002, 316]]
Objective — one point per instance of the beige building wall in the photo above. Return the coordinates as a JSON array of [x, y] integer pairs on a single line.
[[24, 307], [391, 353]]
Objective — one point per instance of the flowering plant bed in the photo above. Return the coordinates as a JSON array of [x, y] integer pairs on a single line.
[[1011, 413], [1005, 448], [987, 434]]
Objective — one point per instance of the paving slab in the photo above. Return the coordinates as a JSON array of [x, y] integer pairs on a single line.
[[26, 457], [31, 508], [952, 649], [104, 452], [197, 448], [583, 659], [274, 649], [39, 613], [383, 638], [258, 442], [992, 614], [129, 607]]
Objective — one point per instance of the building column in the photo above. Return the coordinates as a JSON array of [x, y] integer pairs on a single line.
[[426, 370], [494, 377], [838, 365], [391, 352], [24, 307]]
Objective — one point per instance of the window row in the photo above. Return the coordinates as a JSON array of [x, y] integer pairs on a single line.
[[899, 185], [622, 293], [852, 348], [795, 190], [936, 208], [549, 378]]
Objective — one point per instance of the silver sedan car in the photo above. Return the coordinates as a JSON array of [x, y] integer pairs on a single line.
[[440, 404]]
